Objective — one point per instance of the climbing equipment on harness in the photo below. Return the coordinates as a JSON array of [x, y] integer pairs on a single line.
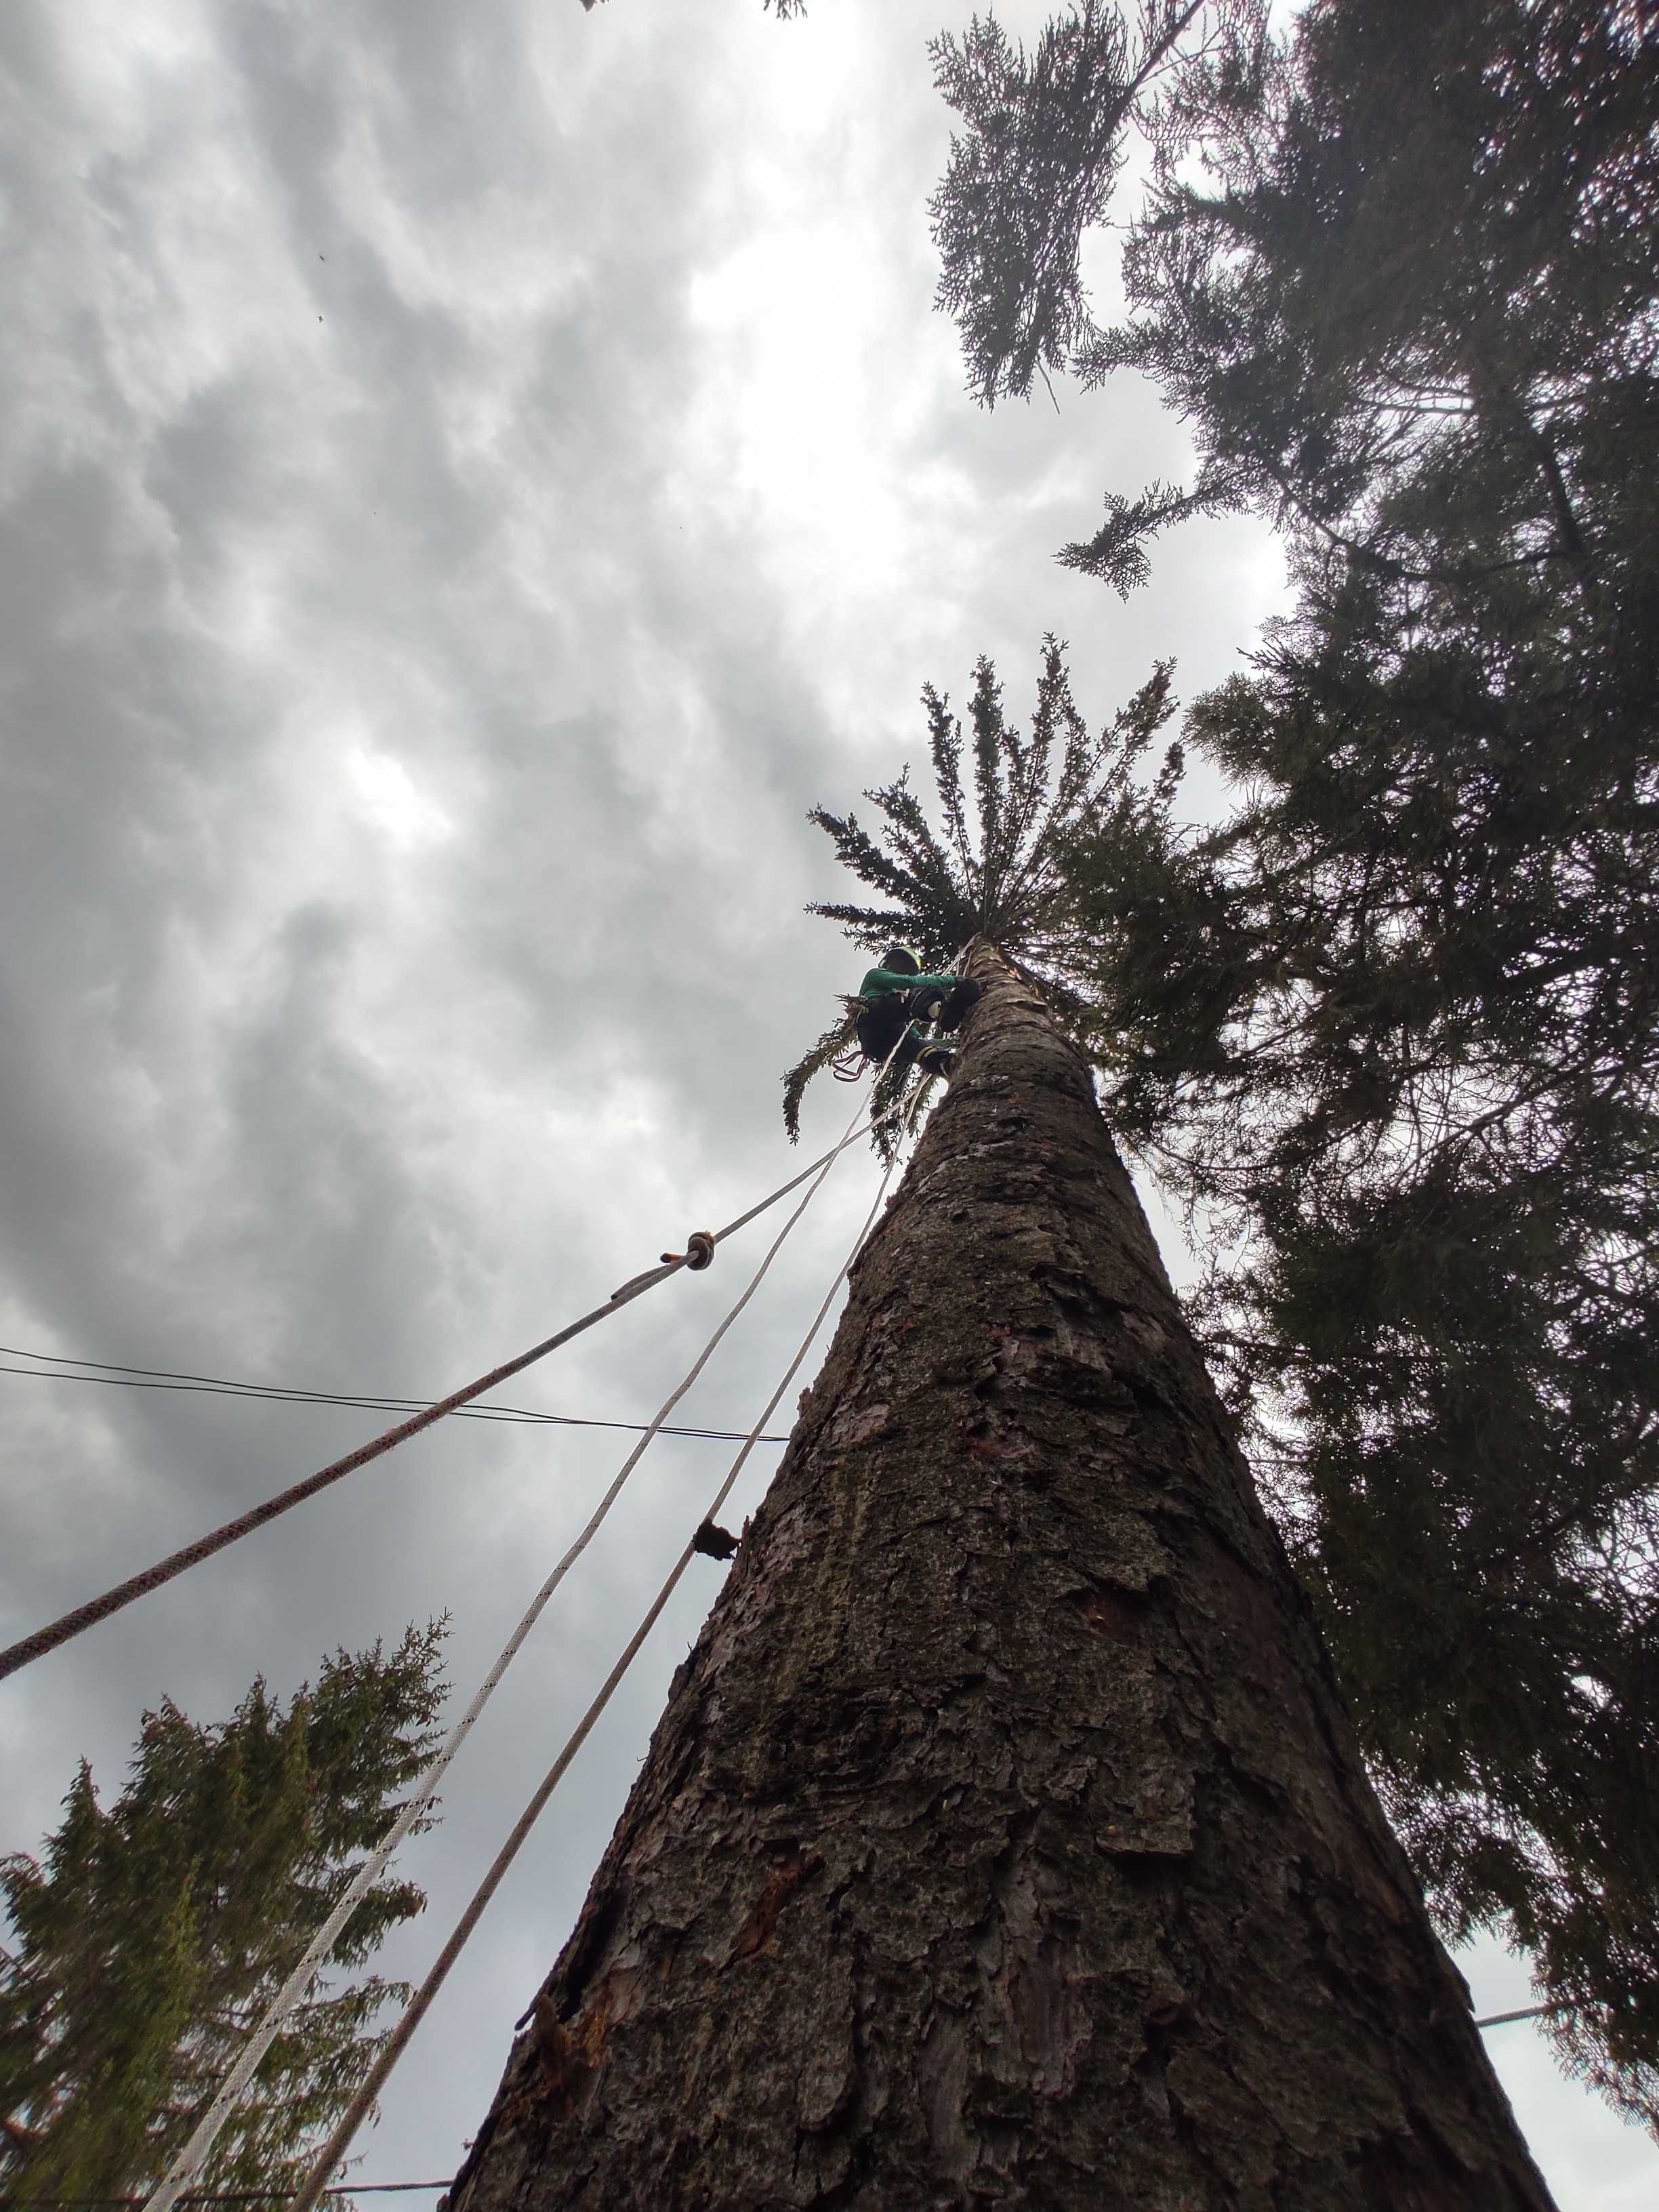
[[890, 1028], [883, 1023]]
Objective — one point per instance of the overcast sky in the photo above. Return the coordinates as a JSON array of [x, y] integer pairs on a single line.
[[471, 478]]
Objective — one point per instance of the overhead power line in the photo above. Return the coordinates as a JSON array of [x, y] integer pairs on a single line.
[[169, 1378], [111, 1601]]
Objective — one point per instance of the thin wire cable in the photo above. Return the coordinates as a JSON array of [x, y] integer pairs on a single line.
[[284, 1393], [404, 2188], [112, 1600], [187, 2165], [395, 2044]]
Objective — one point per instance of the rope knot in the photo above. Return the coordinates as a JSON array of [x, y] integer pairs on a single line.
[[698, 1253]]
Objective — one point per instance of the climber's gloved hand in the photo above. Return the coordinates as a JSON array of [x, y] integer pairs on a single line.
[[965, 995]]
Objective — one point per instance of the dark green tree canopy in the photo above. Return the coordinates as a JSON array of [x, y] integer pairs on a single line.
[[151, 1936], [1408, 250], [1391, 1029], [1390, 1033], [1046, 138]]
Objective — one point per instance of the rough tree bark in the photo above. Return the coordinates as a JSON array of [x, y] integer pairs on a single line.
[[1004, 1839]]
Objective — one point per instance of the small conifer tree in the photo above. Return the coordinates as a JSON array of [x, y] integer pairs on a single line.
[[150, 1935]]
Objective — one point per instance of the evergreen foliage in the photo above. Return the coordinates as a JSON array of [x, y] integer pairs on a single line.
[[1392, 1028], [1422, 265], [994, 869], [151, 1936], [1046, 138], [836, 1039]]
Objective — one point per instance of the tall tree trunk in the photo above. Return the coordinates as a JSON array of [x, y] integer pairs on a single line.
[[1004, 1839]]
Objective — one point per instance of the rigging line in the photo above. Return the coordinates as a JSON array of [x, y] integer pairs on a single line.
[[282, 1394], [111, 1601], [188, 2164], [392, 2049], [1527, 2012]]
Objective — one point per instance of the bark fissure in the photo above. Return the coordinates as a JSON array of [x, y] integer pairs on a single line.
[[1003, 1839]]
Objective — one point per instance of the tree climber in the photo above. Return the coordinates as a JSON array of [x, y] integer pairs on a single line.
[[895, 997]]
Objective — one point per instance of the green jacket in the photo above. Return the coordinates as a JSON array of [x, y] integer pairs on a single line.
[[882, 982]]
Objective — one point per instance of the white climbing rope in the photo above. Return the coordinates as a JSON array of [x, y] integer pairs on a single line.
[[186, 2167], [699, 1250], [316, 2184]]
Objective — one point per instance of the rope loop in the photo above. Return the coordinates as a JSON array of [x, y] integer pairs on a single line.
[[698, 1253]]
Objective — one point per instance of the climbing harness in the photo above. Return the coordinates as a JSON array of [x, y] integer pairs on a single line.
[[700, 1241], [892, 1023], [187, 2166], [340, 2142]]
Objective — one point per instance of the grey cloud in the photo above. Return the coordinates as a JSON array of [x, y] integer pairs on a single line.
[[295, 1087]]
